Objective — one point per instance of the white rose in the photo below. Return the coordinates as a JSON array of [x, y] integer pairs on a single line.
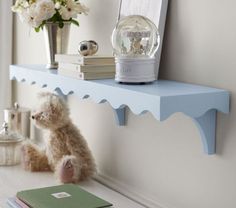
[[45, 9], [58, 5], [71, 9], [65, 13], [31, 17], [24, 17], [20, 5]]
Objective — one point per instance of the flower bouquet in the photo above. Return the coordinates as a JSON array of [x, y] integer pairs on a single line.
[[36, 13], [54, 18]]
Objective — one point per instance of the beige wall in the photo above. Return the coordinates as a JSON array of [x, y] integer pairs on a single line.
[[163, 160]]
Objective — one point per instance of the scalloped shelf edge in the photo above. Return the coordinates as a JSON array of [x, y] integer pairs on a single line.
[[137, 111], [204, 118]]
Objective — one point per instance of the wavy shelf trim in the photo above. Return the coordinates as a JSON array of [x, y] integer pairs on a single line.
[[162, 98]]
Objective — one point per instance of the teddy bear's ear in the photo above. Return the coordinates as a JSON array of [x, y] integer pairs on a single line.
[[56, 102], [44, 94], [48, 96]]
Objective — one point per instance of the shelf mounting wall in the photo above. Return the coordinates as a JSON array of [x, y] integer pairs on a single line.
[[162, 98]]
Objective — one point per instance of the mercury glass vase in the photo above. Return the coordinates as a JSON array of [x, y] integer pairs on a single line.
[[56, 40]]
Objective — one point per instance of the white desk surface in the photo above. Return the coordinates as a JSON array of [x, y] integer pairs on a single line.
[[14, 178]]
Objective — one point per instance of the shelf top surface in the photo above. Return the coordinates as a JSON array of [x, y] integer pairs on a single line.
[[160, 88]]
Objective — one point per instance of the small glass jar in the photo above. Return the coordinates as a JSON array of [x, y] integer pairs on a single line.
[[18, 119], [10, 144]]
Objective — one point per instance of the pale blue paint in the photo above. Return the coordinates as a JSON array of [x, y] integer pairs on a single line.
[[120, 116], [207, 128], [161, 98]]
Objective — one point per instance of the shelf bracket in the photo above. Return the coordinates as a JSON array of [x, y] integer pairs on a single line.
[[207, 127], [120, 116]]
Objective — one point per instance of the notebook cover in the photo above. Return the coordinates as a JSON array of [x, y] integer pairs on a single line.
[[67, 195]]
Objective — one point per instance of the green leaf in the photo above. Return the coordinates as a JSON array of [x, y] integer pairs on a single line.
[[61, 24], [37, 29], [75, 22]]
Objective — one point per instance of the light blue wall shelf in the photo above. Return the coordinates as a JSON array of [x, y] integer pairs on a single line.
[[161, 98]]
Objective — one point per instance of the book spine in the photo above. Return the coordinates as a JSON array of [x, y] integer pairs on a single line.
[[87, 68], [81, 76], [93, 76], [68, 73], [69, 59], [84, 60], [85, 75], [21, 203], [68, 66]]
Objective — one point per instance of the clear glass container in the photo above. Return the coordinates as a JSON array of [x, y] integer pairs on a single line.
[[10, 144], [18, 120], [135, 36]]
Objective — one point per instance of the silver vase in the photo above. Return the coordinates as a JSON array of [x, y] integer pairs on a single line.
[[56, 40]]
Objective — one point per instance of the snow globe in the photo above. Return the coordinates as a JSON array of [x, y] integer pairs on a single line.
[[135, 41]]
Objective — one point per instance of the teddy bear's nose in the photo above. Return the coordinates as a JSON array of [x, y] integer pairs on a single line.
[[33, 117]]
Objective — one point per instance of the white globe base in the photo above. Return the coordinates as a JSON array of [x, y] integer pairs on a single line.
[[135, 70]]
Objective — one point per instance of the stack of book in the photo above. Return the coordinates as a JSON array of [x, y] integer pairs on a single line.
[[86, 67], [62, 196]]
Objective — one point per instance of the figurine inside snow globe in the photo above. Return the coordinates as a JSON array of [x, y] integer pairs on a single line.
[[135, 41]]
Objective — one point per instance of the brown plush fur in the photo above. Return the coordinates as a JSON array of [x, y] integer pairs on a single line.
[[67, 152]]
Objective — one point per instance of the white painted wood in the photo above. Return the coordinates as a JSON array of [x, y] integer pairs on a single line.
[[147, 8], [131, 194], [6, 22], [14, 178], [155, 10]]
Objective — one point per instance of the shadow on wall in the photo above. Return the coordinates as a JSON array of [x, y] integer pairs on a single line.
[[169, 42], [102, 23], [188, 55]]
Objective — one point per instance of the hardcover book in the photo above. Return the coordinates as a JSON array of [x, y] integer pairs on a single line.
[[62, 196], [21, 203], [85, 75], [84, 60], [86, 68]]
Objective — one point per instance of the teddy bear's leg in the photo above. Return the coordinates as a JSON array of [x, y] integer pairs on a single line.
[[68, 169], [33, 158]]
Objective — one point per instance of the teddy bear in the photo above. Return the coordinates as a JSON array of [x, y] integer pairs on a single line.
[[66, 151]]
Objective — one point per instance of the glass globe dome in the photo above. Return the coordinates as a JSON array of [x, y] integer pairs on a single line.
[[135, 36]]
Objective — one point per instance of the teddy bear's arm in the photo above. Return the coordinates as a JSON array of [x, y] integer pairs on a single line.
[[33, 158]]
